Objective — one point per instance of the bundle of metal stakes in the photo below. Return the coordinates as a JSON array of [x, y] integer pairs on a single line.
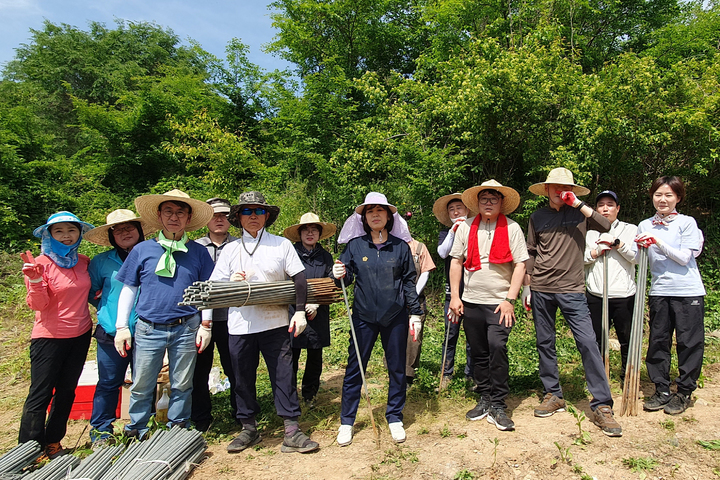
[[213, 294], [15, 460], [631, 388]]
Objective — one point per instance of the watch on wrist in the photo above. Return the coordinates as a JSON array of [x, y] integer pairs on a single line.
[[616, 242], [511, 301]]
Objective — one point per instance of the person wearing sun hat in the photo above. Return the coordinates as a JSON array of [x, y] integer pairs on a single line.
[[122, 231], [259, 256], [57, 285], [155, 275], [556, 278], [488, 255], [318, 263]]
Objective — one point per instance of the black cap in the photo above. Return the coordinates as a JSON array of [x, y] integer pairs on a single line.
[[607, 193]]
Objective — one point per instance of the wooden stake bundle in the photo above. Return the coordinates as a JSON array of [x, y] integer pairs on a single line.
[[631, 388]]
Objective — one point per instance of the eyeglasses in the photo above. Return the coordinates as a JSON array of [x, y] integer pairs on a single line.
[[251, 211], [178, 213], [122, 230], [488, 200]]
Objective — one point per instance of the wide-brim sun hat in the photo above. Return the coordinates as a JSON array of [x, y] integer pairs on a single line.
[[292, 232], [147, 207], [559, 176], [440, 208], [253, 198], [510, 203], [100, 235], [375, 198], [60, 217]]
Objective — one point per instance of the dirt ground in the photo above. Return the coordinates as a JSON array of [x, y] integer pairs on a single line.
[[441, 444]]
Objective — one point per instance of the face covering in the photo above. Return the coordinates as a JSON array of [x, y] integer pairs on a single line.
[[64, 256]]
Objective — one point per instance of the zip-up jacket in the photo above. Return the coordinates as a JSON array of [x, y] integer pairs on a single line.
[[103, 268], [318, 263]]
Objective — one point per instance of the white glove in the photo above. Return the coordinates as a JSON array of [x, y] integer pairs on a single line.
[[526, 297], [452, 317], [415, 327], [311, 310], [203, 337], [123, 341], [338, 270], [237, 277], [457, 223], [602, 248], [298, 323], [606, 239]]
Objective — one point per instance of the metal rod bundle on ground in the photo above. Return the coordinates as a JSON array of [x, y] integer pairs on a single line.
[[631, 388], [606, 319], [95, 465], [57, 469], [19, 457], [213, 294]]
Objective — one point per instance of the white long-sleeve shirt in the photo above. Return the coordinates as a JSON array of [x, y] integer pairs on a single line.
[[621, 262]]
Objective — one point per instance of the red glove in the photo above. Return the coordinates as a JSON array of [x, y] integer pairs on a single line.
[[569, 198], [644, 240], [31, 269]]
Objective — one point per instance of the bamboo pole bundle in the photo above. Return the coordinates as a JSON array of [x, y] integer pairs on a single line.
[[214, 294]]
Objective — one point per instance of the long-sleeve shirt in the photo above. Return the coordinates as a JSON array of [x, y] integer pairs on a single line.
[[60, 300], [556, 245], [103, 270], [219, 314], [621, 262]]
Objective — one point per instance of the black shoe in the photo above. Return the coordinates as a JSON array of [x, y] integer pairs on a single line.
[[497, 416], [298, 442], [678, 404], [203, 425], [247, 438], [657, 401], [480, 410]]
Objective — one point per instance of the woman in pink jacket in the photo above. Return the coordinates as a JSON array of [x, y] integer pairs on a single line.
[[58, 284]]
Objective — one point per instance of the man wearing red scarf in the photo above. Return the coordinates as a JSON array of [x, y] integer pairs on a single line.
[[488, 254]]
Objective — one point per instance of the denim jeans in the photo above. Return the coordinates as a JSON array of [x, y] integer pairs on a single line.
[[151, 342], [111, 376]]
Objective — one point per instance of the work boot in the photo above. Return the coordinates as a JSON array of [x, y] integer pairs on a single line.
[[498, 417], [550, 405], [657, 401], [480, 410], [54, 450], [298, 442], [678, 404], [603, 418], [247, 438]]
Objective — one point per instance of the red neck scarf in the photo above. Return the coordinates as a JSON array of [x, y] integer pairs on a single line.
[[499, 250]]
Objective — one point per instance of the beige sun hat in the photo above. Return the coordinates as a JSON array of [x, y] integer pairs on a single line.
[[509, 204], [559, 176], [292, 232], [99, 235], [147, 207], [440, 208]]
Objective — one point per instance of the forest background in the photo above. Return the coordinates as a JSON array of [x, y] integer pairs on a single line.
[[413, 98]]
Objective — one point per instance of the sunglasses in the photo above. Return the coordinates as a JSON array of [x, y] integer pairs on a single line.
[[250, 211]]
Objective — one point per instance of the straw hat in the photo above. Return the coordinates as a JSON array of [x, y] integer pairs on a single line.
[[252, 198], [440, 208], [509, 204], [559, 176], [99, 235], [60, 217], [375, 198], [147, 207], [292, 233]]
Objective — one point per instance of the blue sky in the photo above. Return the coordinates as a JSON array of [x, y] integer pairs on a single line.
[[210, 22]]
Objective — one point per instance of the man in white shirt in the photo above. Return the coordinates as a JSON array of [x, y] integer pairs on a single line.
[[618, 248]]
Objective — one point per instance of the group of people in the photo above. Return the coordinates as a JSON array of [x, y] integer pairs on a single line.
[[137, 287]]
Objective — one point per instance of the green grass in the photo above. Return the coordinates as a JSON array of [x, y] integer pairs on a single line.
[[636, 464]]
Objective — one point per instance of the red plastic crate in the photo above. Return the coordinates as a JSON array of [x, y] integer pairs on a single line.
[[82, 407]]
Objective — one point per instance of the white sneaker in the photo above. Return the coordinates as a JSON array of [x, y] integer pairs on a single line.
[[397, 431], [345, 435]]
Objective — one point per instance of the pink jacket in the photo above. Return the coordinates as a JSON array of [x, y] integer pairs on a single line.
[[60, 300]]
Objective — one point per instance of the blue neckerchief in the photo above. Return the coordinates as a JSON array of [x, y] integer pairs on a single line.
[[64, 256]]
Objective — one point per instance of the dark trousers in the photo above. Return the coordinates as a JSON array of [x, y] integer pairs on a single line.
[[55, 364], [313, 370], [452, 338], [413, 348], [201, 403], [620, 312], [684, 316], [577, 315], [394, 341], [245, 353], [488, 341]]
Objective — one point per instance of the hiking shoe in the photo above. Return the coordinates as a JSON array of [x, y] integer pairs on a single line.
[[247, 438], [480, 410], [550, 405], [345, 435], [54, 450], [603, 418], [298, 442], [678, 404], [657, 401], [497, 416], [397, 431]]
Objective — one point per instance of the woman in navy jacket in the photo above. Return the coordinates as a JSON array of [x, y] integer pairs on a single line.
[[381, 265]]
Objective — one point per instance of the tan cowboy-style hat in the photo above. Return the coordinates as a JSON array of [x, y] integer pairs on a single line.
[[147, 206], [252, 198], [292, 233], [440, 208], [100, 235], [375, 198], [509, 204], [559, 176]]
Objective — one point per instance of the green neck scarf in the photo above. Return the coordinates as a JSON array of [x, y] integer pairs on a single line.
[[166, 265]]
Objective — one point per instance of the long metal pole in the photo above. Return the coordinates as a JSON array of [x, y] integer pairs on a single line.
[[631, 390], [442, 367], [359, 358], [606, 319]]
